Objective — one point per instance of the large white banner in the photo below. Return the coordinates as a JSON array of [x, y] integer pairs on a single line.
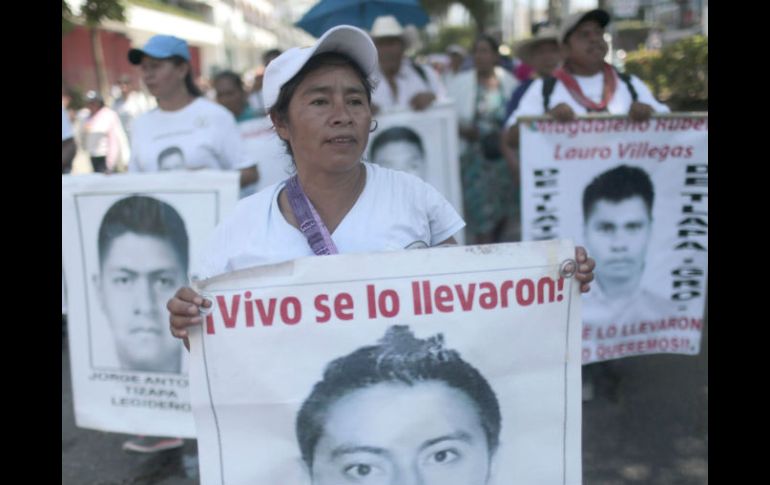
[[127, 243], [452, 365], [636, 196], [423, 143]]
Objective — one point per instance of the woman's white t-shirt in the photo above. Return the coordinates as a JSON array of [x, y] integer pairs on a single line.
[[201, 135], [395, 211]]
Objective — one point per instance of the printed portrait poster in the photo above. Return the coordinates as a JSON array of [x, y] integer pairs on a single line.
[[453, 365], [127, 243], [421, 143], [636, 196]]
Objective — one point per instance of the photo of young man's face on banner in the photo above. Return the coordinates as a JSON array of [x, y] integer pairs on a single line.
[[636, 196], [423, 144], [442, 366], [128, 246]]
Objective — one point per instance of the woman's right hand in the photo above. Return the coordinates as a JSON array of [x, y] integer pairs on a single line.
[[184, 309]]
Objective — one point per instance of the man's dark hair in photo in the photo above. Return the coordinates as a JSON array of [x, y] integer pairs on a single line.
[[618, 184], [145, 216], [399, 357]]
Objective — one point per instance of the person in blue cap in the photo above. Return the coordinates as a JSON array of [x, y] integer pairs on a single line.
[[185, 132], [204, 133]]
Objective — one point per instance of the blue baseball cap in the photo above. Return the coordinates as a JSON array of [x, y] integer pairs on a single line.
[[160, 47]]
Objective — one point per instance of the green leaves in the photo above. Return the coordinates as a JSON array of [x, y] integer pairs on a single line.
[[677, 74], [95, 12]]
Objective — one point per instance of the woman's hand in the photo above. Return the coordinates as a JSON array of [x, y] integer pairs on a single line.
[[640, 111], [184, 309], [585, 269], [562, 113]]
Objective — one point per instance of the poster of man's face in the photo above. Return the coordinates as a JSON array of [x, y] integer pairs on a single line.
[[141, 255], [448, 436], [143, 259], [341, 395], [128, 244], [400, 148], [635, 194], [617, 225], [423, 144]]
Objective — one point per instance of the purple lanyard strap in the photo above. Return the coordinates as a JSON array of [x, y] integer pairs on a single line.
[[310, 223]]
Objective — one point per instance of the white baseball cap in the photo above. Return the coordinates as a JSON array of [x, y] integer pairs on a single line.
[[344, 39]]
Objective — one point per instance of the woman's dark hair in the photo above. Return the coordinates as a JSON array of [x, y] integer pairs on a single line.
[[399, 357], [489, 40], [232, 76], [281, 107], [189, 82]]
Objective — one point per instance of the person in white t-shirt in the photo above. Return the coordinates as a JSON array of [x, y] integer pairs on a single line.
[[130, 102], [204, 133], [403, 84], [585, 83], [185, 132], [103, 137], [319, 99]]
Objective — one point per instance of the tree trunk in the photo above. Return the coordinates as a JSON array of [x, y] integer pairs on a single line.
[[101, 72]]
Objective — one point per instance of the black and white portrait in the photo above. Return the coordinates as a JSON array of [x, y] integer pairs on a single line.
[[400, 148], [143, 259], [404, 410]]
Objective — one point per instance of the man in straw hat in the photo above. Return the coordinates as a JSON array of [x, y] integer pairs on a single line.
[[541, 52], [586, 83], [402, 83]]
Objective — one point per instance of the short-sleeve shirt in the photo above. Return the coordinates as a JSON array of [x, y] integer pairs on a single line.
[[531, 103], [408, 83], [395, 211], [201, 135]]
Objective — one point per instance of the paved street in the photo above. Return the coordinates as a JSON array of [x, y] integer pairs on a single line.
[[652, 431]]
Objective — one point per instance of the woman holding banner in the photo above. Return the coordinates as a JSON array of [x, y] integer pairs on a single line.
[[319, 100]]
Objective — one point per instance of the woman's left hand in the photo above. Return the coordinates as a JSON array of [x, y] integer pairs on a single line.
[[585, 269]]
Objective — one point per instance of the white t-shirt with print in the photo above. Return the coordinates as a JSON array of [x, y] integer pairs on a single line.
[[201, 135], [395, 211], [531, 103]]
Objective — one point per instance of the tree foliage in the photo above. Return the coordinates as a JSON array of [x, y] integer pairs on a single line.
[[677, 74], [462, 36], [66, 18], [92, 13], [478, 9], [95, 12]]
